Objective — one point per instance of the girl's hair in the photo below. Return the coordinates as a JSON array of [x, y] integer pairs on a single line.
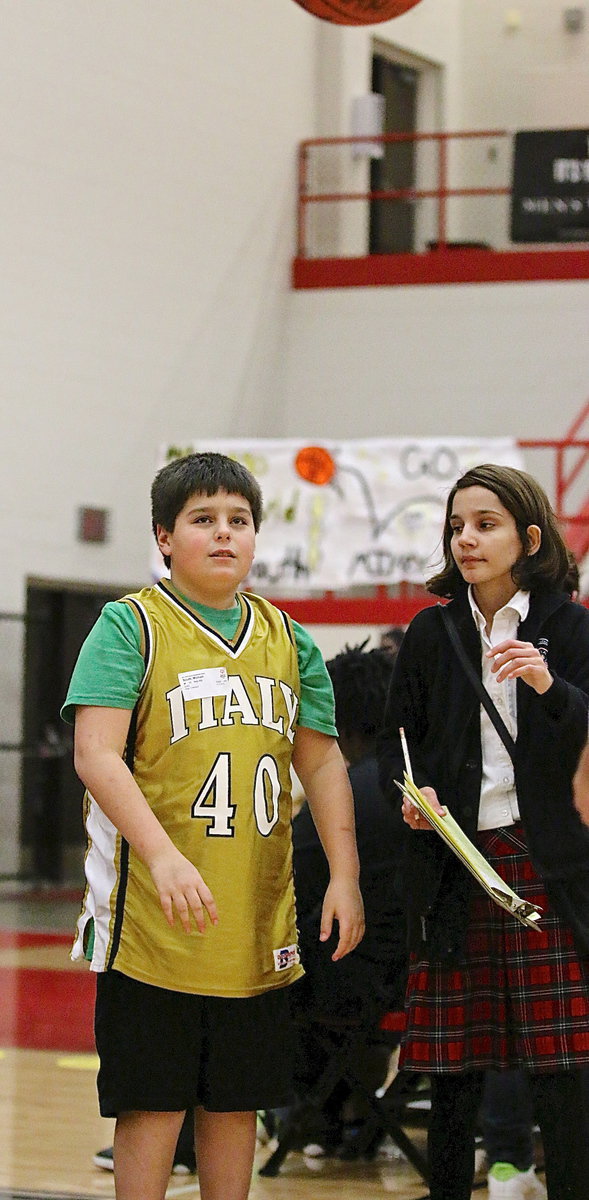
[[526, 500], [200, 474]]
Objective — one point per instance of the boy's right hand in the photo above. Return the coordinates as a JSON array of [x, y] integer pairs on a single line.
[[181, 887]]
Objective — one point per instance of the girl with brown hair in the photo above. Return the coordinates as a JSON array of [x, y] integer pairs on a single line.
[[484, 990]]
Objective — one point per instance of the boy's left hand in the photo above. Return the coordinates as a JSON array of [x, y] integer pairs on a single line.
[[343, 903], [513, 660]]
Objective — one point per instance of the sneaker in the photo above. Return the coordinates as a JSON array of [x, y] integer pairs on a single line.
[[388, 1151], [481, 1165], [262, 1130], [179, 1167], [104, 1160], [505, 1182], [314, 1150]]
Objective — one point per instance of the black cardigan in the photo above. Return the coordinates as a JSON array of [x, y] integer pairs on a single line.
[[431, 697]]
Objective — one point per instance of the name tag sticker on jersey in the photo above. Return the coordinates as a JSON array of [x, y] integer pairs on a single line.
[[210, 681], [288, 956]]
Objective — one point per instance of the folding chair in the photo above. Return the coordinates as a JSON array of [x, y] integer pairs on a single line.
[[389, 1110]]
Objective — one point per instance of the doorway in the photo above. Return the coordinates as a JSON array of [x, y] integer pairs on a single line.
[[58, 619], [392, 222]]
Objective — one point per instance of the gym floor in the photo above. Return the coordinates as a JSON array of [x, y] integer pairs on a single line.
[[49, 1122]]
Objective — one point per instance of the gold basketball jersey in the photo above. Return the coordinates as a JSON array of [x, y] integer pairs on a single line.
[[210, 747]]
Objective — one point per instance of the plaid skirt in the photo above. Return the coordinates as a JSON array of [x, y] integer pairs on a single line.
[[518, 998]]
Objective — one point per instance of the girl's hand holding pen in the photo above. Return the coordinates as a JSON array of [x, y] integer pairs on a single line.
[[513, 660], [412, 815]]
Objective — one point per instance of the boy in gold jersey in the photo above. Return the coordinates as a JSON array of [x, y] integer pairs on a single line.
[[191, 700]]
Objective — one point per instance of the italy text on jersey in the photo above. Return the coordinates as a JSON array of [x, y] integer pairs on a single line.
[[236, 703]]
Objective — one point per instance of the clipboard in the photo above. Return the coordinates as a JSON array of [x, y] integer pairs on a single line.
[[529, 914]]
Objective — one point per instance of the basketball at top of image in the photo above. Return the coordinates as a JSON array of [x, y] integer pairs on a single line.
[[357, 12]]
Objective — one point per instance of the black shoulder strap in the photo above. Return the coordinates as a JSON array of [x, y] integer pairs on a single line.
[[481, 691]]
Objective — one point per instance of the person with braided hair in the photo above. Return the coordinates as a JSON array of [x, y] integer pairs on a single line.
[[373, 975], [372, 979]]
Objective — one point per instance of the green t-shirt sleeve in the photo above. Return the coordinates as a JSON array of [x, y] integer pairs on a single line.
[[110, 669], [110, 664], [317, 710]]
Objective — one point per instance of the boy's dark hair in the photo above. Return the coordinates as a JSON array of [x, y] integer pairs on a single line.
[[206, 474], [360, 681], [528, 504]]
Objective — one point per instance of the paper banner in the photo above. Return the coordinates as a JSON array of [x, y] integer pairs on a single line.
[[347, 514]]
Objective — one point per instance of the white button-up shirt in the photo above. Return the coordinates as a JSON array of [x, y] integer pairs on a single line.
[[498, 804]]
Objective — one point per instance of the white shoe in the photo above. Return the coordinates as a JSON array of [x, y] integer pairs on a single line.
[[481, 1165], [314, 1150], [525, 1185], [388, 1151], [262, 1135]]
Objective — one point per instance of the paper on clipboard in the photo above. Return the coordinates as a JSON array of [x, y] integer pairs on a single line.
[[529, 914]]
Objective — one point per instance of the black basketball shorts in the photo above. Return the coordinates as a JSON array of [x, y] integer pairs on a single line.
[[164, 1051]]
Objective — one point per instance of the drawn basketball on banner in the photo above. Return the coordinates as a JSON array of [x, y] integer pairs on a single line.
[[357, 12], [315, 464], [346, 514]]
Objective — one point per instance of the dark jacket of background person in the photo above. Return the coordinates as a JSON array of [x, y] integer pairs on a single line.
[[431, 697], [372, 978]]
